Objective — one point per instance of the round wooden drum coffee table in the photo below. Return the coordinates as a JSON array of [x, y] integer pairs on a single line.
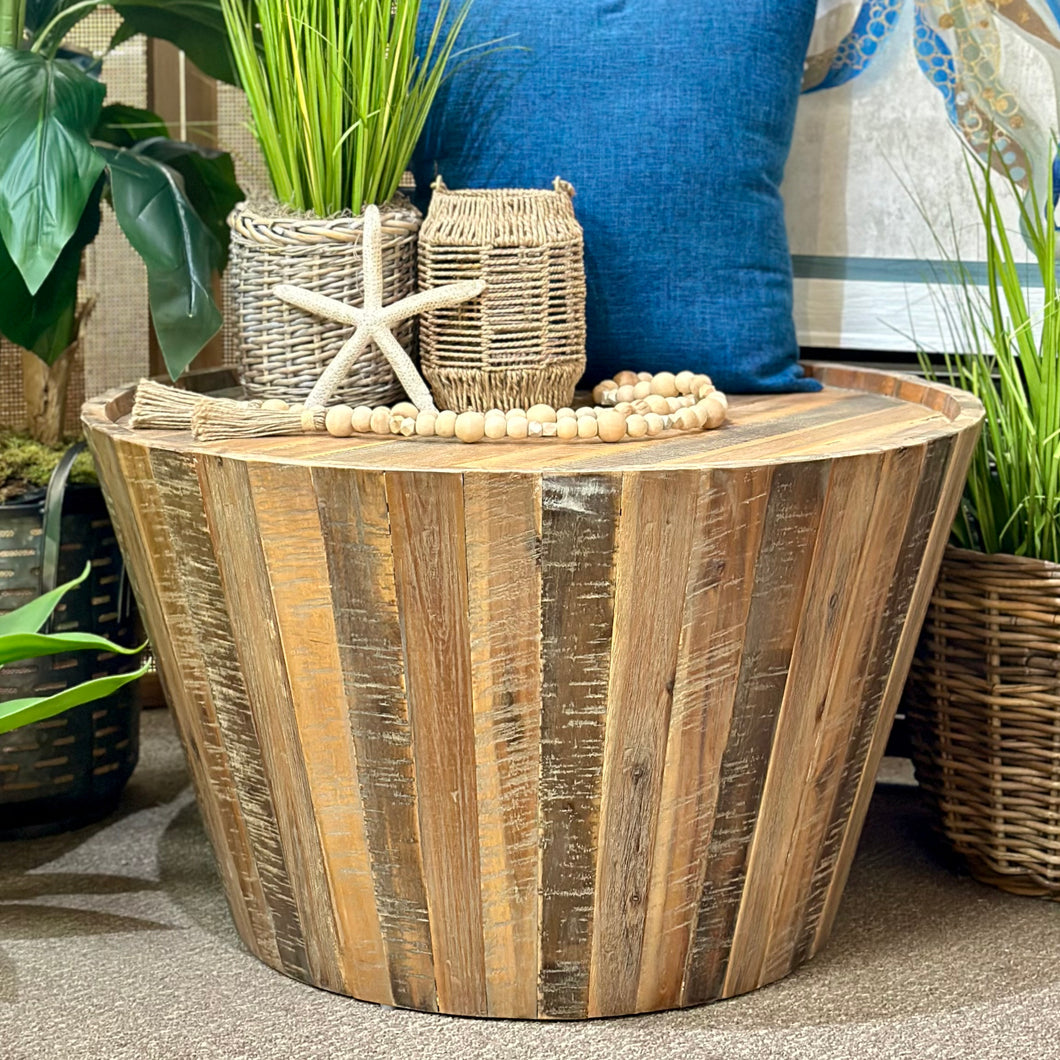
[[542, 730]]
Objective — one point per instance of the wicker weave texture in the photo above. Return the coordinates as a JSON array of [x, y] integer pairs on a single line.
[[523, 341], [282, 351], [983, 701], [13, 400]]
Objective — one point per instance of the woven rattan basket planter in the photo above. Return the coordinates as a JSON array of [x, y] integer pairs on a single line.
[[983, 702], [523, 341], [282, 351]]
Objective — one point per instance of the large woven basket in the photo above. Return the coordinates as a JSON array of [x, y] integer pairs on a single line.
[[282, 351], [983, 702], [523, 341]]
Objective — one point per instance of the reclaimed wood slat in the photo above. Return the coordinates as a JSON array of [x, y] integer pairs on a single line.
[[285, 507], [578, 525], [258, 654], [653, 543], [430, 565], [504, 587], [355, 523], [717, 596]]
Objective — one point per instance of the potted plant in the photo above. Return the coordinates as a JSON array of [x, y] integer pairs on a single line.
[[82, 776], [983, 699], [338, 97], [64, 152]]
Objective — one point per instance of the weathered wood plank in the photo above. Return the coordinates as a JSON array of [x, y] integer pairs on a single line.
[[254, 631], [504, 590], [579, 516], [848, 702], [355, 521], [430, 566], [929, 529], [830, 601], [285, 506], [652, 553], [730, 517], [791, 522], [151, 561]]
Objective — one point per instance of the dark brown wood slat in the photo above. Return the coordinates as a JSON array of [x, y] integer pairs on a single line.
[[356, 527], [427, 534], [653, 543], [208, 615], [781, 572], [502, 514], [729, 521], [285, 507], [579, 516], [254, 634]]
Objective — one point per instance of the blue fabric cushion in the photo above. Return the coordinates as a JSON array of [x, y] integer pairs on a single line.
[[672, 119]]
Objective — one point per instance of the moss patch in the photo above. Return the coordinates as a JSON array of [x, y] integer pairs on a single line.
[[26, 465]]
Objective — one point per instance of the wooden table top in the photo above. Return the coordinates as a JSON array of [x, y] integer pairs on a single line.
[[860, 410]]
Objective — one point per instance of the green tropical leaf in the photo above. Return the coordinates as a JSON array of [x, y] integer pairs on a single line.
[[30, 617], [48, 167], [209, 182], [44, 322], [17, 712], [125, 126], [15, 646], [195, 26], [177, 248]]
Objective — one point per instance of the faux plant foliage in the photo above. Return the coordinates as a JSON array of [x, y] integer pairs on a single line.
[[48, 167], [337, 93], [61, 149], [1012, 500], [20, 639]]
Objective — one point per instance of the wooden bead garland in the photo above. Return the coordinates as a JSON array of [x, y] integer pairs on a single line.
[[631, 405]]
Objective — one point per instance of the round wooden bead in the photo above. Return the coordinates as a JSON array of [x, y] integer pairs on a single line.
[[495, 424], [720, 397], [664, 384], [641, 406], [361, 420], [338, 421], [405, 408], [587, 427], [698, 381], [636, 426], [584, 411], [625, 378], [296, 406], [685, 420], [657, 403], [644, 377], [564, 412], [714, 411], [541, 414], [515, 412], [625, 407], [567, 428], [703, 390], [275, 405], [445, 425], [683, 381], [380, 421], [625, 393], [517, 426], [642, 389], [470, 426], [602, 389], [655, 423], [611, 425], [425, 422]]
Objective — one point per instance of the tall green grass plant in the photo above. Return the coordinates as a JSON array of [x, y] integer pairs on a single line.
[[337, 93], [1010, 360]]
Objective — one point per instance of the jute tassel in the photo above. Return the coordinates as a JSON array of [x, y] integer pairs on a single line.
[[168, 408], [216, 421]]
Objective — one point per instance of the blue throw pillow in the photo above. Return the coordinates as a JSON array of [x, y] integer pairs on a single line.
[[672, 119]]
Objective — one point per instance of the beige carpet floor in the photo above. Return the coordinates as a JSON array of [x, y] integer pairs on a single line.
[[115, 943]]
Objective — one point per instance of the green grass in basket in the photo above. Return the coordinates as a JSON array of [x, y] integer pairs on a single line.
[[337, 93], [1012, 364]]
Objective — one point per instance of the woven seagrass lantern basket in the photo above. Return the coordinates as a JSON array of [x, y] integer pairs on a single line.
[[983, 703], [522, 342], [282, 351]]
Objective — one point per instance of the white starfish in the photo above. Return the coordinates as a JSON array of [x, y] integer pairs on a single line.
[[373, 321]]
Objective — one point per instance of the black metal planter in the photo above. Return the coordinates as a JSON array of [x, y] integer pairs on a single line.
[[69, 770]]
